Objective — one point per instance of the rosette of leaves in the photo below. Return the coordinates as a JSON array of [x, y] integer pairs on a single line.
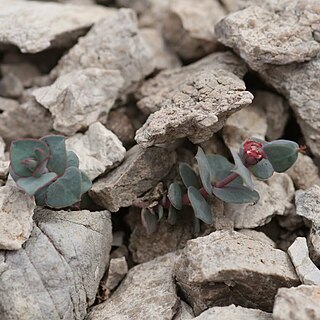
[[229, 182], [45, 169]]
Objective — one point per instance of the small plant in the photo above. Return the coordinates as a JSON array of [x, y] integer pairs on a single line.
[[45, 169], [229, 182]]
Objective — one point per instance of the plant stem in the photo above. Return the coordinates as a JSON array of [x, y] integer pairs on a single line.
[[227, 180]]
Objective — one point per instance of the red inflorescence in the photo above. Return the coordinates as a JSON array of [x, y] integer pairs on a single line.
[[253, 153]]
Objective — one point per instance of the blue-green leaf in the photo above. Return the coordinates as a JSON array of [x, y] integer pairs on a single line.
[[200, 206], [86, 183], [149, 220], [32, 184], [160, 212], [188, 175], [196, 225], [236, 194], [58, 160], [204, 170], [72, 159], [25, 149], [40, 196], [172, 215], [66, 190], [175, 195], [263, 169], [218, 164], [281, 153], [241, 170]]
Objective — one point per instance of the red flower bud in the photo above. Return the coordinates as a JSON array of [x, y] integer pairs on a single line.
[[252, 152]]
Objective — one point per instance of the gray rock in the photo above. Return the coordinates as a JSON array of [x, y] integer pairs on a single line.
[[141, 170], [276, 195], [280, 32], [57, 273], [189, 27], [28, 119], [16, 212], [10, 86], [184, 313], [228, 267], [192, 101], [236, 5], [235, 313], [34, 26], [258, 235], [301, 303], [4, 160], [80, 98], [113, 43], [118, 268], [147, 292], [306, 270], [304, 173], [98, 150]]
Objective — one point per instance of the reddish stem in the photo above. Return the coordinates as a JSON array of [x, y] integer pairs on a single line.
[[227, 180]]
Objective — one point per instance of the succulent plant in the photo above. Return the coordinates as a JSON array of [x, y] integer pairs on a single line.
[[229, 182], [45, 169]]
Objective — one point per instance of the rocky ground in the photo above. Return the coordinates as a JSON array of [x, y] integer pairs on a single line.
[[135, 85]]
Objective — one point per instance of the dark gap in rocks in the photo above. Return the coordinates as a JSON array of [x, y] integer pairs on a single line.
[[292, 130], [253, 81]]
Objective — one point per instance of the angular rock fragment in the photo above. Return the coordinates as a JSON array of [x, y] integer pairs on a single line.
[[113, 43], [16, 211], [258, 235], [164, 58], [306, 270], [297, 303], [189, 27], [228, 267], [184, 313], [147, 292], [141, 170], [118, 268], [280, 32], [236, 5], [35, 26], [246, 123], [28, 119], [233, 312], [98, 150], [10, 86], [57, 273], [304, 173], [4, 160], [275, 197], [80, 98], [192, 101]]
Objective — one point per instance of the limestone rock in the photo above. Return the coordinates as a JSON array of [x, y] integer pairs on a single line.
[[233, 312], [276, 111], [306, 270], [114, 43], [118, 268], [98, 150], [314, 246], [304, 173], [192, 101], [35, 26], [80, 98], [4, 160], [258, 235], [301, 303], [236, 5], [28, 119], [228, 267], [57, 273], [184, 313], [164, 58], [147, 292], [10, 86], [275, 197], [141, 170], [281, 32], [246, 123], [189, 27], [16, 212], [122, 126]]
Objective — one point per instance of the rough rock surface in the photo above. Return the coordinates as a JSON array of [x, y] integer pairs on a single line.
[[141, 170], [306, 270], [297, 303], [228, 267], [189, 27], [4, 160], [36, 26], [98, 150], [118, 268], [57, 273], [192, 101], [80, 98], [184, 313], [275, 197], [28, 119], [236, 5], [10, 86], [280, 32], [112, 44], [304, 173], [16, 212], [233, 312], [164, 58], [147, 292]]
